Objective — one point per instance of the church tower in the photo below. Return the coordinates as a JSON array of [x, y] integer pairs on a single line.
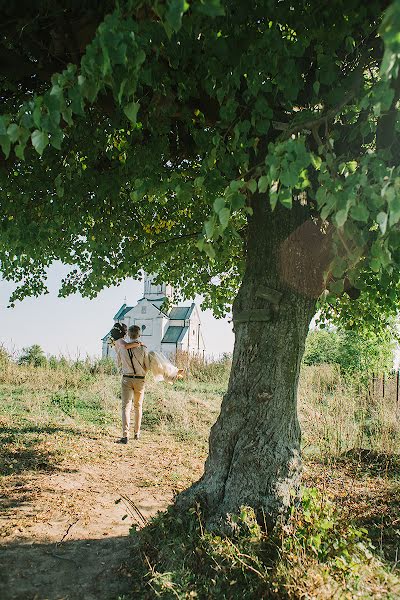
[[156, 292]]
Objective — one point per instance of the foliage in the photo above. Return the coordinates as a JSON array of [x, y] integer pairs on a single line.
[[355, 353], [33, 355], [322, 346], [142, 153], [311, 555]]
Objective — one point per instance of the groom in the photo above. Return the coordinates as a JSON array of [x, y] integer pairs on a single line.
[[133, 358]]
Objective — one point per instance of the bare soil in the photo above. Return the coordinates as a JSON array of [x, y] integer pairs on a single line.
[[64, 527]]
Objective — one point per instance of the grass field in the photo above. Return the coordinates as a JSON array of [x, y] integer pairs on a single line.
[[58, 427]]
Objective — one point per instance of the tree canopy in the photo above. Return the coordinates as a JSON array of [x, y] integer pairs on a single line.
[[136, 134]]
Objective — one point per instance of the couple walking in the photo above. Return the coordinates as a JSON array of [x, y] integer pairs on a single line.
[[135, 362]]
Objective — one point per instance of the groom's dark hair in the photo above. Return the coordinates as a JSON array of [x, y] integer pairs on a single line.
[[134, 331]]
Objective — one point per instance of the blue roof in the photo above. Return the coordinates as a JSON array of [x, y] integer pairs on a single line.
[[122, 312], [183, 333], [180, 313], [174, 334]]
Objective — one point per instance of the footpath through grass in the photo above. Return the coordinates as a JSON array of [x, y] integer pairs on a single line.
[[58, 426]]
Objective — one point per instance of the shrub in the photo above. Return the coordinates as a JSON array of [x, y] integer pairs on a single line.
[[33, 355], [353, 352], [105, 366], [322, 347]]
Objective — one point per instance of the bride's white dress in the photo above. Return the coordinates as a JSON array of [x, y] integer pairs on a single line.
[[162, 368]]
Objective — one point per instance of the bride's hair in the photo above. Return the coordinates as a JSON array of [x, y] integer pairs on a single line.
[[118, 331]]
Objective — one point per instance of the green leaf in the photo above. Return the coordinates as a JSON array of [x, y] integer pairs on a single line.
[[209, 250], [5, 145], [337, 286], [209, 227], [252, 185], [235, 185], [13, 132], [224, 216], [59, 186], [375, 265], [273, 199], [20, 150], [3, 125], [341, 217], [40, 140], [56, 139], [338, 267], [382, 219], [131, 111], [285, 198], [76, 97], [237, 201], [174, 14], [359, 212], [263, 184], [219, 204], [198, 182], [393, 201], [316, 161], [316, 86], [200, 243], [211, 8]]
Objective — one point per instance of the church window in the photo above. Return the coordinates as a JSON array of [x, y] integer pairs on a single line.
[[143, 327], [143, 310]]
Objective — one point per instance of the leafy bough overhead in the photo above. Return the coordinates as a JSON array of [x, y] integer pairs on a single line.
[[148, 150]]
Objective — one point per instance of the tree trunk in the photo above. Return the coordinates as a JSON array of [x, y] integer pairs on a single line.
[[254, 447]]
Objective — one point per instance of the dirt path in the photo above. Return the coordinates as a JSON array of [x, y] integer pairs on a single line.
[[65, 532]]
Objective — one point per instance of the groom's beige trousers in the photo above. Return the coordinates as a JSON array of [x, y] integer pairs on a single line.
[[132, 389]]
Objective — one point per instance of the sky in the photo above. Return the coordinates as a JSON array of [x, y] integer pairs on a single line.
[[73, 326]]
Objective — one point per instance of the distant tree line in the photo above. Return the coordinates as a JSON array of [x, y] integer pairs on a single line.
[[351, 351]]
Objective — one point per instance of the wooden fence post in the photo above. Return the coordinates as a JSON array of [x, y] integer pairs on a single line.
[[398, 393], [383, 385]]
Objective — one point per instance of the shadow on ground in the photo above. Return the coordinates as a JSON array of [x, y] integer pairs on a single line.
[[374, 463], [382, 521], [24, 449], [381, 513], [74, 570]]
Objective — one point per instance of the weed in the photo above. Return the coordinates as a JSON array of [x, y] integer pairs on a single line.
[[313, 555]]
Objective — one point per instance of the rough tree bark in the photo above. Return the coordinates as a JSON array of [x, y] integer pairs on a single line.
[[254, 447]]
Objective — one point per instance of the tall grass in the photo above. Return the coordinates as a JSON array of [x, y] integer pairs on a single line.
[[339, 414]]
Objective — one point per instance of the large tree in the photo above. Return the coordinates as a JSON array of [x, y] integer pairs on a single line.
[[241, 150]]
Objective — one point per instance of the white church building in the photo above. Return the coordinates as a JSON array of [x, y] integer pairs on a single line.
[[177, 330]]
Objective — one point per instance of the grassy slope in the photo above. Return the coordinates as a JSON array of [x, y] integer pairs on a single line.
[[44, 412]]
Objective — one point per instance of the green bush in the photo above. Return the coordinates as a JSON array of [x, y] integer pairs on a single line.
[[33, 355], [322, 347], [351, 351]]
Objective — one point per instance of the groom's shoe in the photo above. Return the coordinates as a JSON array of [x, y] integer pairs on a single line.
[[123, 440]]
